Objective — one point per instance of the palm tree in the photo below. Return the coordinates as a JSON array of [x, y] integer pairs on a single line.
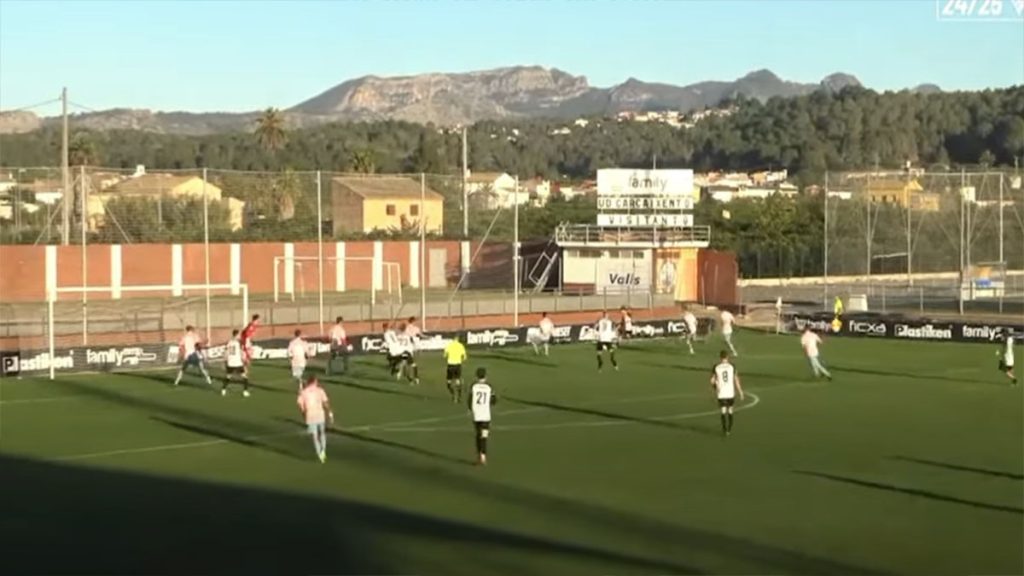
[[363, 161], [81, 151], [270, 130]]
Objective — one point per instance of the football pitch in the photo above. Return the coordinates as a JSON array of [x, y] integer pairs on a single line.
[[910, 462]]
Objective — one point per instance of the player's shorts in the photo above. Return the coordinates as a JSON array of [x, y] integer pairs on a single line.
[[1003, 366], [726, 402], [407, 356], [602, 346], [481, 426], [338, 350], [193, 359], [235, 370], [454, 372], [298, 371], [315, 427]]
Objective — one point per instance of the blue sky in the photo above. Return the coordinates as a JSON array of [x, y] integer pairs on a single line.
[[233, 56]]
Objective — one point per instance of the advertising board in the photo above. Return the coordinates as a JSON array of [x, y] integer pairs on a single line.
[[630, 182], [645, 220]]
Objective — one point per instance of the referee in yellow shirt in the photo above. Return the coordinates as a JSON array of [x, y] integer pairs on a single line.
[[455, 355]]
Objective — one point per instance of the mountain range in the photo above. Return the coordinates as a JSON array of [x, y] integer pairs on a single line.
[[457, 98]]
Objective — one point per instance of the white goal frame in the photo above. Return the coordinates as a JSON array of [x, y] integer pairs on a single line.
[[242, 290], [390, 273]]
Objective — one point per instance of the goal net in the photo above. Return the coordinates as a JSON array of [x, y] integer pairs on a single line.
[[299, 276], [106, 317]]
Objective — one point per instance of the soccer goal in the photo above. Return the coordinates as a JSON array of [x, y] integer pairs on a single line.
[[152, 308], [290, 275]]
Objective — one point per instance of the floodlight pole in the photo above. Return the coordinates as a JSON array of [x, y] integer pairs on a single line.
[[423, 249], [320, 250], [515, 258], [825, 242], [206, 254], [85, 260]]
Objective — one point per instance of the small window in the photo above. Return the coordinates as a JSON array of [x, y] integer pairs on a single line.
[[638, 255], [414, 210], [390, 209]]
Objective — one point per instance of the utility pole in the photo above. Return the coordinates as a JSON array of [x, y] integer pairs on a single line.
[[515, 258], [65, 173], [465, 189]]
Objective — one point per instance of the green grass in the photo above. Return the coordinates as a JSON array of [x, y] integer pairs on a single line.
[[912, 461]]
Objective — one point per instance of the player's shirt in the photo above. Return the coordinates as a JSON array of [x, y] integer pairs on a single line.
[[311, 401], [338, 335], [391, 343], [1008, 351], [405, 344], [413, 332], [480, 401], [298, 352], [247, 334], [233, 354], [725, 380], [455, 353], [810, 342], [605, 331], [727, 321], [547, 327], [627, 322], [188, 344], [691, 323]]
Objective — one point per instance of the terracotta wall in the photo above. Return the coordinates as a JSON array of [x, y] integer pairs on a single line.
[[23, 268], [718, 274]]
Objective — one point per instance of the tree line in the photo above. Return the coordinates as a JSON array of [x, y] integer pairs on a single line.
[[808, 135]]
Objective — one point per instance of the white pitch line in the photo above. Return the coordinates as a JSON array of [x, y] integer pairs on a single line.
[[582, 424], [392, 426]]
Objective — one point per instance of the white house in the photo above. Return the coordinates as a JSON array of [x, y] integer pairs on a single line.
[[538, 191], [499, 188]]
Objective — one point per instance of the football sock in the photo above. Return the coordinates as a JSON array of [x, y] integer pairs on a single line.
[[725, 427], [483, 446], [177, 380], [729, 420], [614, 363], [245, 383], [600, 361]]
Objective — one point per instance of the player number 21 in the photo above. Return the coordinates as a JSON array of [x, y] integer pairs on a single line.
[[481, 398]]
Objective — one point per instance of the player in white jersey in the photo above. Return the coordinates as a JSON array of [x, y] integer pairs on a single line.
[[691, 329], [298, 354], [1005, 354], [190, 350], [481, 398], [810, 342], [725, 383], [727, 326], [234, 364], [545, 330], [778, 315], [392, 349], [606, 337], [412, 341], [340, 348]]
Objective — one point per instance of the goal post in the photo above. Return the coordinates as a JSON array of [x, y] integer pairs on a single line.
[[240, 290], [386, 276]]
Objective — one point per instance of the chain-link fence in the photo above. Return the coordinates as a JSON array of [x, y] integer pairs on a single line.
[[305, 247], [913, 240]]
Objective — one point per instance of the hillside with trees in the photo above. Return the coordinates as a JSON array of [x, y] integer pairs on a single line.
[[853, 128]]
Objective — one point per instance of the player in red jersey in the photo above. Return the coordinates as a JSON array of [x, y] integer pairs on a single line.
[[246, 338]]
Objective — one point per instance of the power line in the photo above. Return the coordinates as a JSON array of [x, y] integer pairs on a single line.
[[39, 105]]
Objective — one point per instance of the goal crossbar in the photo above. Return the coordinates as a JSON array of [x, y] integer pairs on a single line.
[[53, 294], [375, 263]]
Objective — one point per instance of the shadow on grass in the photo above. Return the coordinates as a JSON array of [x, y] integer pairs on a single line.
[[520, 358], [107, 522], [912, 492], [910, 375], [403, 447], [960, 467], [226, 436], [403, 390], [613, 416]]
